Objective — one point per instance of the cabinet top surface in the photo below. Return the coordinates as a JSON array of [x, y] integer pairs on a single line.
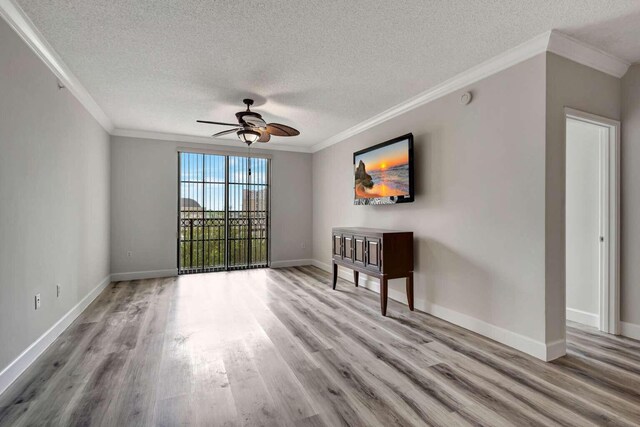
[[366, 230]]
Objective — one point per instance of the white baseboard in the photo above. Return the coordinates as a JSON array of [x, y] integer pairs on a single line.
[[538, 349], [139, 275], [27, 357], [630, 330], [556, 349], [290, 263], [583, 317]]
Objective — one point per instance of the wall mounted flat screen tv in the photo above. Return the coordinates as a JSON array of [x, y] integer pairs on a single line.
[[383, 174]]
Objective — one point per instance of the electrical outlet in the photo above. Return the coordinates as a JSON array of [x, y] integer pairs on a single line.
[[58, 290], [304, 245], [37, 301], [129, 253]]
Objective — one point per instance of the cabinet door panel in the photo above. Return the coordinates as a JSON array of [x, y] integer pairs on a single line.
[[359, 250], [348, 247], [373, 253], [337, 246]]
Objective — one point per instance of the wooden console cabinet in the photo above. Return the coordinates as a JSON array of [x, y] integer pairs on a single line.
[[384, 254]]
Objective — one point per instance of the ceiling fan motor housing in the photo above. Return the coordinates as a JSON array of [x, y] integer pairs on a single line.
[[240, 115]]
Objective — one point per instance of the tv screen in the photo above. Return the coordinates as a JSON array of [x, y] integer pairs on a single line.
[[383, 174]]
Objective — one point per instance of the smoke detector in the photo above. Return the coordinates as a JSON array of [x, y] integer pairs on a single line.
[[465, 98]]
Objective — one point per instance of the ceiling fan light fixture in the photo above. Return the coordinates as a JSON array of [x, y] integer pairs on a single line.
[[248, 136]]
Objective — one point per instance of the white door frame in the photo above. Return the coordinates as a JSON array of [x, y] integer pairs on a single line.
[[609, 217]]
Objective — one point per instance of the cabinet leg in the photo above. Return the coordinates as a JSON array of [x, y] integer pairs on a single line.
[[384, 289], [335, 274], [410, 290], [356, 275]]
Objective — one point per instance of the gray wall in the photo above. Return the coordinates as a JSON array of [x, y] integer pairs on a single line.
[[144, 204], [583, 218], [479, 215], [54, 193], [630, 240], [569, 84]]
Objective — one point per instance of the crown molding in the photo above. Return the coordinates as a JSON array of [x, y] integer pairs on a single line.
[[550, 41], [496, 64], [585, 54], [174, 137], [24, 27]]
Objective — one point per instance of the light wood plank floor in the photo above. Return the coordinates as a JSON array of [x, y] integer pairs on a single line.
[[279, 347]]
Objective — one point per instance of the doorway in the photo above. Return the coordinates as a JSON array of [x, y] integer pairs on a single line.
[[223, 212], [591, 220]]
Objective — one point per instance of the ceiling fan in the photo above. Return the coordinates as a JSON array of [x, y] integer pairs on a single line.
[[252, 128]]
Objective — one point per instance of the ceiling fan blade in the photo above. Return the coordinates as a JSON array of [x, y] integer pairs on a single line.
[[217, 123], [255, 121], [225, 132], [277, 129], [264, 136]]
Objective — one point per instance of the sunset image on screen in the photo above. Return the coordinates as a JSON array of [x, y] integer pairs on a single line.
[[383, 172]]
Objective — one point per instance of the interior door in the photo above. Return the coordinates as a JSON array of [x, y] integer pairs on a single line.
[[223, 221]]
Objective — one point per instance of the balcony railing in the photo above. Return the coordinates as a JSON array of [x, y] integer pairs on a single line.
[[204, 240]]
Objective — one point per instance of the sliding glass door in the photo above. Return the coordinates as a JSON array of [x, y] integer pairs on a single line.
[[223, 212]]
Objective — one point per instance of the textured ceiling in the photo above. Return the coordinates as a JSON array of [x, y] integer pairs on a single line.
[[321, 66]]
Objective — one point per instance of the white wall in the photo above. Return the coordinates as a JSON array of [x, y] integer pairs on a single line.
[[583, 222], [54, 198], [630, 235], [569, 84], [479, 215], [144, 176]]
